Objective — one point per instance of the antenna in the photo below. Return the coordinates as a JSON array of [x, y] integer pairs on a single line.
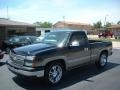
[[7, 13]]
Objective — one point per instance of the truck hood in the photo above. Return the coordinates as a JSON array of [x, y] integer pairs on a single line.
[[33, 49]]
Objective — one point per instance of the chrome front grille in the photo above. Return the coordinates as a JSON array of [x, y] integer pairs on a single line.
[[17, 59]]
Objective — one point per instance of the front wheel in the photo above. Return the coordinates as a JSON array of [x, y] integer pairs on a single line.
[[54, 73], [102, 62]]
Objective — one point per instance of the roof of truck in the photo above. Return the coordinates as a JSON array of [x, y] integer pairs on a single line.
[[68, 30]]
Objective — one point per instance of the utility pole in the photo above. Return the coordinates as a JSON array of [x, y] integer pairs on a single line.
[[7, 13], [64, 20], [105, 20]]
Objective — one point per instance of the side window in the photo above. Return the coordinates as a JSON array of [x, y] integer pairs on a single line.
[[79, 37], [75, 37]]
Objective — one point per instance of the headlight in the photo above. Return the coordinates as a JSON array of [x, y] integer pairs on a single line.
[[32, 61], [28, 64], [29, 60]]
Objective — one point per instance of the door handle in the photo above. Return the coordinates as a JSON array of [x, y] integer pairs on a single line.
[[85, 49]]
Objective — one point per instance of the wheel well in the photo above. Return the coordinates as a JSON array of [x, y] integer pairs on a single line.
[[58, 60], [104, 51]]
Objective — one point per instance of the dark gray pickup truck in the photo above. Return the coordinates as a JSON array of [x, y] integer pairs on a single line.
[[59, 51]]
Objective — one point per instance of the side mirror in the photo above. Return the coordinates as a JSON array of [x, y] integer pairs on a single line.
[[75, 43]]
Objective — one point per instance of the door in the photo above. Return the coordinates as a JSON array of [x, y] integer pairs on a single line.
[[78, 49]]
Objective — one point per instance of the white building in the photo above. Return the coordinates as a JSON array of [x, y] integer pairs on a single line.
[[42, 31]]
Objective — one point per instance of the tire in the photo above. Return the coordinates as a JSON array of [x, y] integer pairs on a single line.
[[7, 50], [102, 62], [54, 73]]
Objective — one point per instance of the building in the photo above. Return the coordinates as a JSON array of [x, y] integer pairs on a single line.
[[72, 25], [114, 28], [42, 31], [9, 28], [64, 25]]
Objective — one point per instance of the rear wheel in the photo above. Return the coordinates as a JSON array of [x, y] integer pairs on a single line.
[[54, 73], [115, 37], [102, 62]]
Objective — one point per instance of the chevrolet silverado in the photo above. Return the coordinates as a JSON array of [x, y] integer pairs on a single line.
[[59, 51]]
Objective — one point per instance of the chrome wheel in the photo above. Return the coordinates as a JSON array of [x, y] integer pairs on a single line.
[[103, 59], [55, 73]]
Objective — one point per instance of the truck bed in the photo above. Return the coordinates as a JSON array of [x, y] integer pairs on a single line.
[[98, 43], [94, 41]]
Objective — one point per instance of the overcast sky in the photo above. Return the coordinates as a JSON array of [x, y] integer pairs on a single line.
[[84, 11]]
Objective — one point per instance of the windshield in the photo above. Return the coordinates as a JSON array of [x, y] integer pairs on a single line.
[[19, 39], [15, 39], [56, 38]]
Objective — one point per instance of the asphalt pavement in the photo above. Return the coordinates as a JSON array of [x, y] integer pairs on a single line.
[[85, 78]]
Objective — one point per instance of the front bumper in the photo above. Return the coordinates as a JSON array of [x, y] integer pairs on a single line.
[[25, 71]]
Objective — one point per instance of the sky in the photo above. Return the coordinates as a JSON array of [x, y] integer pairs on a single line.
[[83, 11]]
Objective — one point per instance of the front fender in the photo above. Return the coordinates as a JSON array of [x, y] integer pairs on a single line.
[[47, 60]]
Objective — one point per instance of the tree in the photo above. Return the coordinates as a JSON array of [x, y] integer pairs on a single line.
[[37, 24], [108, 24], [43, 24], [118, 22], [97, 25]]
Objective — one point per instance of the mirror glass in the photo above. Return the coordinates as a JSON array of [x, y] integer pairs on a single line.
[[75, 43]]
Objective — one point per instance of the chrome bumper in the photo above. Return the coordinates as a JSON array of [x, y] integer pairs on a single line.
[[39, 73]]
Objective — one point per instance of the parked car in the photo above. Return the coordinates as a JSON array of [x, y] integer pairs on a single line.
[[1, 54], [1, 45], [59, 51], [105, 34], [117, 35], [18, 41]]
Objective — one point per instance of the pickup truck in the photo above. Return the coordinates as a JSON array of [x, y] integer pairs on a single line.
[[59, 51]]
